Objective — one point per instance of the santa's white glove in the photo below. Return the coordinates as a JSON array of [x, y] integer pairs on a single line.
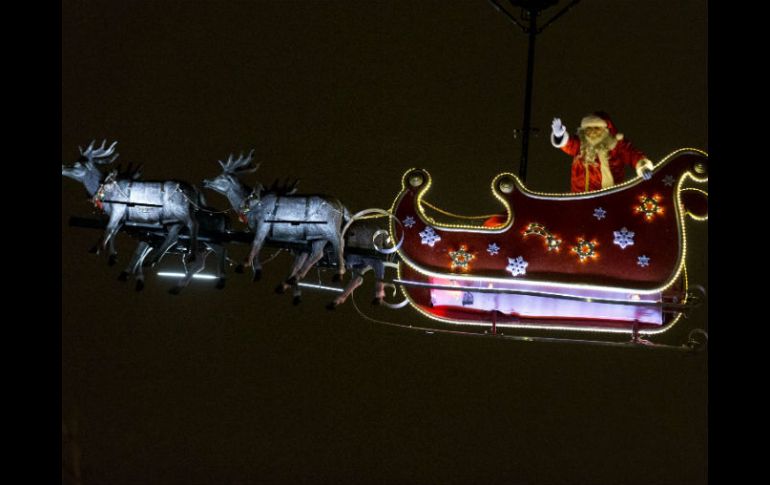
[[644, 169], [557, 129]]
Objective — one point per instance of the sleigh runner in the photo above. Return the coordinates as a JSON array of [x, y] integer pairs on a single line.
[[609, 260]]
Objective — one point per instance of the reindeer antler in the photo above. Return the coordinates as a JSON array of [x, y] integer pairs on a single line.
[[240, 165], [99, 155]]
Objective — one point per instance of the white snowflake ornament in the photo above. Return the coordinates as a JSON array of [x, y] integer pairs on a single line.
[[643, 261], [408, 222], [600, 213], [429, 236], [517, 266], [668, 180], [493, 249], [624, 238]]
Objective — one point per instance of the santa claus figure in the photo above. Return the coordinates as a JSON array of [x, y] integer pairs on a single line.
[[599, 153]]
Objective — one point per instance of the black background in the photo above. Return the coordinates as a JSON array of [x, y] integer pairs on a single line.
[[239, 386]]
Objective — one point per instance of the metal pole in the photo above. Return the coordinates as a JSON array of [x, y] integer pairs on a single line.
[[528, 95]]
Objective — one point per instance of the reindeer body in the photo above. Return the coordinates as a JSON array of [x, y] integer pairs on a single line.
[[167, 203], [315, 219]]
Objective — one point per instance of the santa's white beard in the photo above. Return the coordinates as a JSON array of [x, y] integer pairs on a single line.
[[591, 148]]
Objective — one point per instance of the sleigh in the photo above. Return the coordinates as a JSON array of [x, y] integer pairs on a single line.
[[611, 260]]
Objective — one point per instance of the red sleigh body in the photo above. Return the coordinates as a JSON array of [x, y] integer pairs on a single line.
[[609, 260]]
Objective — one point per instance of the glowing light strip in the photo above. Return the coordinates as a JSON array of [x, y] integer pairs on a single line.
[[589, 329], [181, 275], [320, 287], [541, 294]]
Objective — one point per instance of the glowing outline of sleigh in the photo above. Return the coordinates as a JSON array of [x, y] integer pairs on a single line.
[[596, 293]]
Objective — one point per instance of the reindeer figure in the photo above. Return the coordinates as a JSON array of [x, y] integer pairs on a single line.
[[126, 200], [315, 219]]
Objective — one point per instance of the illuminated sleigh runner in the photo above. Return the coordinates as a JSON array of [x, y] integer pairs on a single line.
[[611, 260]]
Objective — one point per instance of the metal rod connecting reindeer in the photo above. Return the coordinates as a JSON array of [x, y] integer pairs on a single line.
[[315, 219]]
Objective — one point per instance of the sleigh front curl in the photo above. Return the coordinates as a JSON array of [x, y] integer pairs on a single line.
[[609, 260]]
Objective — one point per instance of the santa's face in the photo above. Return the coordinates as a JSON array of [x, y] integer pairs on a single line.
[[595, 134]]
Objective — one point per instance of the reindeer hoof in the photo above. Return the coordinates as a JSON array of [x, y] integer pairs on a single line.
[[175, 290], [291, 281], [257, 275], [220, 284], [296, 300], [337, 278], [112, 260], [239, 269], [280, 289], [139, 285], [123, 276], [331, 306], [377, 301], [94, 250]]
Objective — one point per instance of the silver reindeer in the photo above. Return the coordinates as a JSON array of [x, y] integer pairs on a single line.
[[315, 219], [126, 200]]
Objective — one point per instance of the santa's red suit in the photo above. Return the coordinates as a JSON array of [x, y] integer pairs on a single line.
[[600, 165]]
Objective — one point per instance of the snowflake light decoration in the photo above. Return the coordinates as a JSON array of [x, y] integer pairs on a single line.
[[585, 249], [461, 258], [624, 238], [429, 236], [643, 261], [408, 222], [517, 266], [668, 180], [649, 207], [493, 249], [600, 213]]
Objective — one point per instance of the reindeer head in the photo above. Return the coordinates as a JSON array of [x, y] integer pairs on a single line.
[[84, 169], [231, 170]]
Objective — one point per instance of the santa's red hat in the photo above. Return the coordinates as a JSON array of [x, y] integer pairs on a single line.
[[602, 120]]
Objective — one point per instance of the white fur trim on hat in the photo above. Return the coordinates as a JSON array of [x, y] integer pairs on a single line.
[[592, 121]]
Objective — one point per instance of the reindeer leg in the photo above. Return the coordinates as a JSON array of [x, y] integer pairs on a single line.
[[379, 284], [194, 267], [113, 253], [253, 257], [113, 226], [355, 282], [221, 252], [299, 261], [139, 273], [135, 261], [297, 295], [379, 292], [338, 244], [315, 256], [192, 226], [171, 238]]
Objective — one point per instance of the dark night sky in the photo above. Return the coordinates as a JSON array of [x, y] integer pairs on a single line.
[[239, 386]]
